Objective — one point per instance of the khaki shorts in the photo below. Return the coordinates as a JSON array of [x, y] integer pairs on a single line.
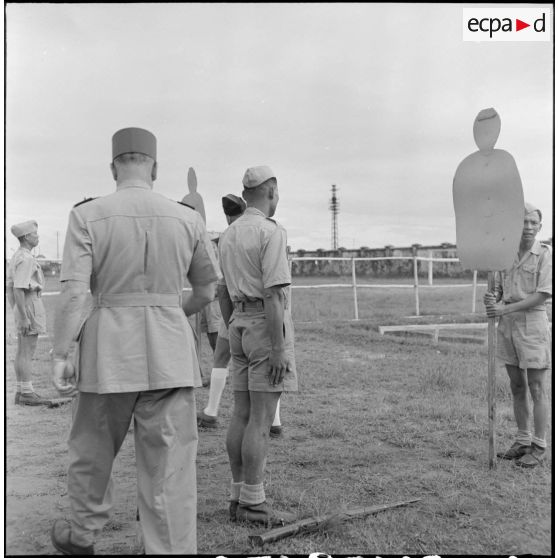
[[523, 340], [211, 317], [250, 346], [35, 311]]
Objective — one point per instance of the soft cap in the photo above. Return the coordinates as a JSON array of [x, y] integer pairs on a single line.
[[529, 208], [134, 140], [254, 176], [233, 205], [21, 229]]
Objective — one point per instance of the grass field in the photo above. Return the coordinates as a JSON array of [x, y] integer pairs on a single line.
[[377, 419]]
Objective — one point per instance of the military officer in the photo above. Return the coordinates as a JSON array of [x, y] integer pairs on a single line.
[[253, 258], [24, 284], [523, 337], [137, 358]]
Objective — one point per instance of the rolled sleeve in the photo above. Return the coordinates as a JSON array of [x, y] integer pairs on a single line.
[[77, 259], [275, 265], [544, 282]]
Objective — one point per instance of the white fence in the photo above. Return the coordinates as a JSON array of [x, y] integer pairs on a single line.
[[415, 286], [354, 285]]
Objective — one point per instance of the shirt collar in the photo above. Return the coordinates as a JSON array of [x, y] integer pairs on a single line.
[[133, 183], [254, 211], [536, 248]]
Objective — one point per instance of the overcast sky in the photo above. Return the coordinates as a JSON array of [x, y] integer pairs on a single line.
[[378, 99]]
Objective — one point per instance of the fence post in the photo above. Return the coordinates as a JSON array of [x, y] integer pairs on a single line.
[[416, 286], [354, 288], [474, 291], [430, 255]]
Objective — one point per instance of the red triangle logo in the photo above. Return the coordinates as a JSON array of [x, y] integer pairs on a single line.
[[519, 25]]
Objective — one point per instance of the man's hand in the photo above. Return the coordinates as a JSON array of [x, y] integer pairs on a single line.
[[25, 326], [278, 366], [495, 310], [489, 298], [64, 377]]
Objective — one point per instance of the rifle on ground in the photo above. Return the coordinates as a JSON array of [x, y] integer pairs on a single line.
[[322, 521]]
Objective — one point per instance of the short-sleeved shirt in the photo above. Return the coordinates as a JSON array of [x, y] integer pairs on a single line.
[[253, 256], [137, 250], [24, 271], [528, 275]]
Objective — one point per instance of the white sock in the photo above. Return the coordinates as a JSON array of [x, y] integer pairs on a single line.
[[541, 442], [277, 419], [18, 387], [216, 387], [523, 437], [236, 487], [252, 494], [26, 387]]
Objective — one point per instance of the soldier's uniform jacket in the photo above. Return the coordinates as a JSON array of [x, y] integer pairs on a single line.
[[531, 274], [137, 250], [253, 256], [24, 272]]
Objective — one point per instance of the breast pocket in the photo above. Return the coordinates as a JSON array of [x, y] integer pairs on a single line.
[[528, 278]]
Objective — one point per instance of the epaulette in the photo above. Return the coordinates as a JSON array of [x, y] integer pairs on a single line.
[[85, 200], [185, 204]]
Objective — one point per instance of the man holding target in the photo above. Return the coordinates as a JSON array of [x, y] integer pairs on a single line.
[[523, 337]]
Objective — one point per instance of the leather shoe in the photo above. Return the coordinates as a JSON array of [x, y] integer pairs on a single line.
[[263, 513], [206, 421], [33, 399], [276, 431], [60, 537], [233, 506], [516, 451]]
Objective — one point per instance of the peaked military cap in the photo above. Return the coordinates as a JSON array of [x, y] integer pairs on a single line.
[[134, 140], [233, 205], [21, 229], [254, 176]]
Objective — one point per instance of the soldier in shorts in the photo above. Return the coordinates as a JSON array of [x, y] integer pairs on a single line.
[[253, 257], [24, 284], [233, 207], [523, 337]]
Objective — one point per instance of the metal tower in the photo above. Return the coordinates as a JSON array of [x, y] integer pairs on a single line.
[[334, 208]]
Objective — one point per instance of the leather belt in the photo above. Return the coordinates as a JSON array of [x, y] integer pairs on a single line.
[[137, 299], [246, 305]]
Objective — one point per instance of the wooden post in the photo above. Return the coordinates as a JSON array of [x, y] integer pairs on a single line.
[[474, 305], [355, 301], [491, 379], [430, 274], [416, 286]]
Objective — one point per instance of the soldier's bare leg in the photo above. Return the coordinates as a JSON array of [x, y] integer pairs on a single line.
[[256, 436], [519, 389], [236, 431], [537, 388], [23, 363]]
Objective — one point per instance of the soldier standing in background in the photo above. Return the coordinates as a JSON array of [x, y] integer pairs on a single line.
[[24, 285]]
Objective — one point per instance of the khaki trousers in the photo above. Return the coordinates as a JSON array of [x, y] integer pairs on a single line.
[[166, 439]]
